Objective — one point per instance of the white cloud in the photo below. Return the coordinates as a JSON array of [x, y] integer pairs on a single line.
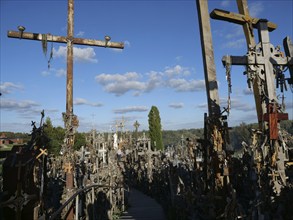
[[255, 8], [121, 88], [236, 104], [80, 34], [106, 78], [178, 58], [60, 72], [237, 31], [247, 91], [57, 72], [126, 44], [241, 106], [183, 85], [81, 101], [131, 109], [7, 87], [120, 84], [80, 54], [46, 73], [176, 105], [203, 106], [235, 44], [176, 70], [13, 105], [225, 3]]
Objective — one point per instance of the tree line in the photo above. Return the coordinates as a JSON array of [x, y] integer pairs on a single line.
[[238, 134]]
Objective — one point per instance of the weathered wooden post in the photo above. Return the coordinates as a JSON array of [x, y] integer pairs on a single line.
[[215, 124]]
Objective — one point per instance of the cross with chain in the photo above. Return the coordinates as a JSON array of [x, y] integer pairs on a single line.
[[248, 23], [70, 40], [70, 120]]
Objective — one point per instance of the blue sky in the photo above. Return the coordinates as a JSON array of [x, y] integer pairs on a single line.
[[161, 64]]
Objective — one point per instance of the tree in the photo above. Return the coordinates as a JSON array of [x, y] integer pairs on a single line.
[[56, 136], [79, 141], [155, 128]]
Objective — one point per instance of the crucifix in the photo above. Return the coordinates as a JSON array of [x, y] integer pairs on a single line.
[[266, 62], [149, 154], [248, 23], [254, 75], [70, 120]]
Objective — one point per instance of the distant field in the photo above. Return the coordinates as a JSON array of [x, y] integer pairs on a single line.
[[6, 147]]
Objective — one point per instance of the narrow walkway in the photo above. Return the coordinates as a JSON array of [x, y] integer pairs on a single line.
[[142, 207]]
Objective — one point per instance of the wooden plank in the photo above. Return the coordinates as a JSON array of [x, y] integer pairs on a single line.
[[61, 39], [238, 19], [208, 58]]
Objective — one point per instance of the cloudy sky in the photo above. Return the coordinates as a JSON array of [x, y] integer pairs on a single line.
[[161, 63]]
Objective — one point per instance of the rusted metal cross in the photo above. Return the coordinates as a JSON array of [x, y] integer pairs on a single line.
[[70, 40]]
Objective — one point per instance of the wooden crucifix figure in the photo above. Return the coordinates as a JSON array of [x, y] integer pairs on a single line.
[[266, 60], [248, 23]]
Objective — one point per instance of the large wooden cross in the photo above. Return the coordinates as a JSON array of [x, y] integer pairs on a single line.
[[248, 23], [70, 40], [70, 120], [264, 60], [213, 99]]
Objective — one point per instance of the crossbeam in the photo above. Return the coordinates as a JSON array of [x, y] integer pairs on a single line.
[[248, 23], [61, 39], [70, 120], [258, 60], [238, 18], [208, 59]]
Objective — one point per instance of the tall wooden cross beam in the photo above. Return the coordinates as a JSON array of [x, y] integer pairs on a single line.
[[248, 23], [215, 123], [70, 40], [208, 59]]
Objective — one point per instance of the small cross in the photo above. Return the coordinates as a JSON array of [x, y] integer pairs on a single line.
[[42, 152], [103, 151], [67, 167]]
